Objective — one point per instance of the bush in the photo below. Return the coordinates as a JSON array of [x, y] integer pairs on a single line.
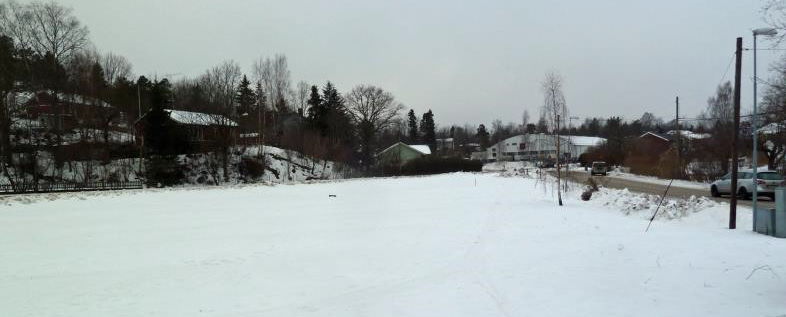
[[163, 170], [251, 169], [432, 165]]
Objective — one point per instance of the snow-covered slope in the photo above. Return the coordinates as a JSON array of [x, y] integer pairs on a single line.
[[283, 166], [448, 245]]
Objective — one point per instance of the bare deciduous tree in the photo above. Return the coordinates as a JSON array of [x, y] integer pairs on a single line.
[[301, 96], [555, 110], [44, 27], [115, 67], [373, 110], [274, 76]]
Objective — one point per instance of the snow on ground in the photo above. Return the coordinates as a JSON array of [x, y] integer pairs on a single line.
[[646, 204], [448, 245]]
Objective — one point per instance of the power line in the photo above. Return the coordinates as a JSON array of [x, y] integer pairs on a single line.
[[731, 60]]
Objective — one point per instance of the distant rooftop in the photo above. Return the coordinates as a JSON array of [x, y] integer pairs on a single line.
[[199, 118]]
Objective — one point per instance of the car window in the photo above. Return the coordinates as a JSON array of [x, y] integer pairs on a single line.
[[770, 176], [727, 176]]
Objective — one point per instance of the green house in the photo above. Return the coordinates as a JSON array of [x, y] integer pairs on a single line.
[[401, 153]]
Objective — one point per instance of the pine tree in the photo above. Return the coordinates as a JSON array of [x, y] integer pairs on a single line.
[[8, 74], [163, 139], [98, 82], [317, 113], [246, 98], [483, 137], [428, 130], [413, 127]]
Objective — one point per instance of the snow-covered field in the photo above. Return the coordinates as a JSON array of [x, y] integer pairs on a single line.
[[447, 245]]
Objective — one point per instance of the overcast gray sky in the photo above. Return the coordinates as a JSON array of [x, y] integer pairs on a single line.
[[468, 61]]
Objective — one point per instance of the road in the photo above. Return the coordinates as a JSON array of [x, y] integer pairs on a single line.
[[656, 189]]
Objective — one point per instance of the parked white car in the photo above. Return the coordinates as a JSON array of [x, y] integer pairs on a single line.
[[599, 168], [765, 183]]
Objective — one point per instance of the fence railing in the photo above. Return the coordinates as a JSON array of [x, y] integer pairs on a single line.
[[20, 188]]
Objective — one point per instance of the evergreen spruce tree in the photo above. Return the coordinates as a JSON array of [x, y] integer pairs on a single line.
[[246, 98], [163, 139], [413, 127], [9, 67], [483, 137], [317, 112], [428, 130]]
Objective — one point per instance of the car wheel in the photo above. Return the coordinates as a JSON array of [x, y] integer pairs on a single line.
[[743, 193], [714, 191]]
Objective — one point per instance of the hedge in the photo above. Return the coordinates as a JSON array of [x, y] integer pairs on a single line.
[[433, 165]]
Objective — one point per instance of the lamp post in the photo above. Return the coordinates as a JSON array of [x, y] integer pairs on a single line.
[[755, 118]]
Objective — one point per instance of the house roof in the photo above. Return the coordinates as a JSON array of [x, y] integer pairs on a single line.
[[664, 137], [585, 140], [423, 149], [689, 134], [199, 118], [772, 128]]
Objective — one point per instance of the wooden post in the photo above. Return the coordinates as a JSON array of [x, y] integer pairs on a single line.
[[677, 136], [559, 172], [734, 154]]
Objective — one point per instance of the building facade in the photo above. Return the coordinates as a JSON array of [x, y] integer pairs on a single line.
[[537, 147]]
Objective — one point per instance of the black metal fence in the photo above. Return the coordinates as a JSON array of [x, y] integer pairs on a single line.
[[20, 188]]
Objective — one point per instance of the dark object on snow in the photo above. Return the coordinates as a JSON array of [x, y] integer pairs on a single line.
[[586, 195], [331, 195], [592, 187]]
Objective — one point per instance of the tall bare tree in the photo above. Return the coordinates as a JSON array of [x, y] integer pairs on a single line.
[[373, 110], [301, 96], [44, 27], [276, 80], [115, 66], [219, 84], [555, 110]]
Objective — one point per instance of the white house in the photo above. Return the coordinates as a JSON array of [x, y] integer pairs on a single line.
[[532, 147]]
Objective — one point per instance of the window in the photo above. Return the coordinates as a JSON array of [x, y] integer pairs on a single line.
[[770, 176]]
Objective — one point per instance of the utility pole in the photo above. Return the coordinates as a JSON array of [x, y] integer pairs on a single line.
[[734, 154], [755, 119], [559, 172], [677, 135], [139, 121]]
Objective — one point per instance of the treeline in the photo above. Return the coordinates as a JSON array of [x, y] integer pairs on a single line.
[[262, 105]]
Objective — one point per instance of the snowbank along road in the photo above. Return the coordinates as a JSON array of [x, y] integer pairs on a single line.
[[657, 189]]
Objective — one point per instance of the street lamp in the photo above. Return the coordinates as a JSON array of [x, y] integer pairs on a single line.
[[754, 121]]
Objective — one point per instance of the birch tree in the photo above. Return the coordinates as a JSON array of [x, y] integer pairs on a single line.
[[555, 110]]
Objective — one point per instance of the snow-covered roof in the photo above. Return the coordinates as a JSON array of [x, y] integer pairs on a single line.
[[690, 134], [425, 149], [199, 118], [249, 135], [82, 100], [585, 140], [772, 128], [657, 135], [572, 139]]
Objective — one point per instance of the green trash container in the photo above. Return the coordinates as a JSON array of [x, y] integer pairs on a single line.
[[779, 220]]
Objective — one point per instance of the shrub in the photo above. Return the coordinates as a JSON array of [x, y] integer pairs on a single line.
[[433, 165], [251, 169]]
